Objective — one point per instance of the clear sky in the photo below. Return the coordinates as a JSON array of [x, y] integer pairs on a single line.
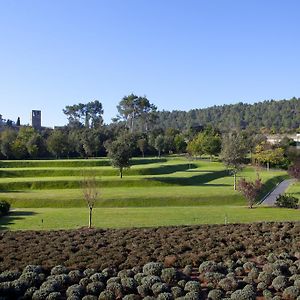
[[180, 54]]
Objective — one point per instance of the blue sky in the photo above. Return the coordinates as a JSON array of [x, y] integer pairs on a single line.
[[180, 54]]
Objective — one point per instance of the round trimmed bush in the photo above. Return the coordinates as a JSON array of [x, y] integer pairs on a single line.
[[4, 207], [169, 275], [159, 287], [129, 284], [291, 293], [279, 283], [177, 291], [192, 286], [95, 288], [153, 268], [59, 270], [228, 284], [150, 280], [165, 296], [75, 290], [106, 295], [208, 266], [215, 294]]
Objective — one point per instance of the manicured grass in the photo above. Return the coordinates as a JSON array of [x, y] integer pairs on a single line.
[[53, 218], [153, 192], [294, 189]]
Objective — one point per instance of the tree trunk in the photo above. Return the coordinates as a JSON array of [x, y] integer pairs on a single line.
[[90, 217], [268, 166], [159, 153], [121, 173], [234, 178]]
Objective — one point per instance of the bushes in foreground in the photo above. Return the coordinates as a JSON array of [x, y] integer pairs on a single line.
[[4, 207], [272, 277], [287, 201]]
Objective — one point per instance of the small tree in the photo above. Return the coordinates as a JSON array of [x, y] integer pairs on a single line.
[[159, 144], [90, 194], [142, 144], [294, 170], [119, 152], [250, 190], [233, 153]]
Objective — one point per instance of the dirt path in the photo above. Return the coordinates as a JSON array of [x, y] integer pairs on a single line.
[[279, 190]]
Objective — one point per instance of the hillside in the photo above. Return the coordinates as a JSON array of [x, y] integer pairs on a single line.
[[276, 116]]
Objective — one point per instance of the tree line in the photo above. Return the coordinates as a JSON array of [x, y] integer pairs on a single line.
[[140, 127]]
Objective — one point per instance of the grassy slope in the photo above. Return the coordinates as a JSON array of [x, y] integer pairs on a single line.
[[294, 189], [153, 192]]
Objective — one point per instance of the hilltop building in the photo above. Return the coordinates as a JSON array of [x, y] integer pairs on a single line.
[[36, 119]]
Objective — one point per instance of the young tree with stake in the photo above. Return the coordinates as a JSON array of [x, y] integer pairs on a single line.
[[90, 194]]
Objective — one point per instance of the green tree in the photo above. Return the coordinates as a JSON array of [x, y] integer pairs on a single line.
[[88, 115], [180, 144], [132, 108], [269, 155], [57, 143], [142, 145], [119, 152], [159, 144], [233, 153]]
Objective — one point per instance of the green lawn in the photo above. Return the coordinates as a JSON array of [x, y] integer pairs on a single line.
[[54, 218], [294, 189], [153, 192]]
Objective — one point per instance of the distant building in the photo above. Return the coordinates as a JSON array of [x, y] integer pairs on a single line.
[[36, 119]]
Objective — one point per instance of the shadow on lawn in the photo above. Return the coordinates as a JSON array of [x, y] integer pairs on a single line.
[[196, 180], [12, 217]]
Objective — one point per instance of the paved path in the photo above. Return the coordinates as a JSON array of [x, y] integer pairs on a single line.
[[280, 189]]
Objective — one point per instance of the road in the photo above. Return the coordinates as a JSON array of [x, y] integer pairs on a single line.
[[279, 190]]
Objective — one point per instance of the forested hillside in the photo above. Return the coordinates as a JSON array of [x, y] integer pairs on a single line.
[[274, 116]]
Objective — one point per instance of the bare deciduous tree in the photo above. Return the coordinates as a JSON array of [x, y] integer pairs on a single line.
[[91, 193]]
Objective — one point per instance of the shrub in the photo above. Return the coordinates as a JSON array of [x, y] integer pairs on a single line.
[[98, 277], [215, 295], [192, 296], [129, 284], [208, 266], [165, 296], [54, 296], [159, 287], [132, 297], [106, 295], [192, 286], [150, 280], [4, 207], [169, 275], [177, 291], [153, 268], [291, 293], [75, 290], [279, 283], [228, 284], [59, 270], [95, 288], [287, 201]]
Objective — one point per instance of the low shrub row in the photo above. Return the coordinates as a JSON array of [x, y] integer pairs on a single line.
[[269, 277], [4, 207]]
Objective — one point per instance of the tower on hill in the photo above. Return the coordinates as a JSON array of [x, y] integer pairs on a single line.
[[36, 119]]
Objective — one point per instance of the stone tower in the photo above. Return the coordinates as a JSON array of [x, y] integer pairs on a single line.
[[36, 119]]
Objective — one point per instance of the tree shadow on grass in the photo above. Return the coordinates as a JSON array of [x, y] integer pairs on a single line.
[[13, 216], [196, 180]]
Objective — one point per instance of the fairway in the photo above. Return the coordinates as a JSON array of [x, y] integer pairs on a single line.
[[153, 192], [55, 218]]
